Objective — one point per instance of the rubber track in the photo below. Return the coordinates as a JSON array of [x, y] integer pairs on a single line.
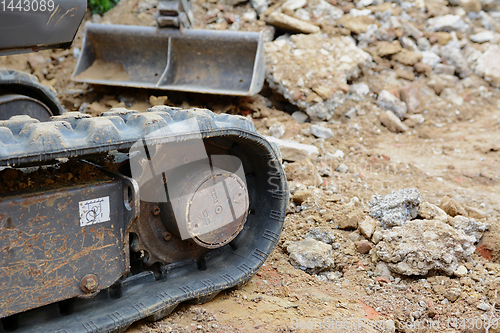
[[142, 296], [12, 81]]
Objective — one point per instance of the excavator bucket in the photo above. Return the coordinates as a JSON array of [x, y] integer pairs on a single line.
[[191, 60]]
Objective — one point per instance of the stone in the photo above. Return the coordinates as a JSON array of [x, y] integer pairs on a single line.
[[410, 95], [447, 23], [470, 226], [277, 130], [490, 5], [414, 120], [452, 294], [409, 44], [420, 67], [320, 131], [452, 96], [294, 4], [382, 270], [385, 48], [454, 57], [423, 44], [286, 22], [294, 151], [300, 117], [342, 168], [408, 58], [428, 211], [300, 196], [405, 73], [367, 226], [482, 37], [363, 246], [393, 123], [396, 208], [483, 306], [430, 58], [350, 221], [310, 255], [471, 5], [285, 59], [321, 234], [444, 69], [387, 101], [359, 89], [452, 207], [488, 65], [443, 37], [461, 271], [357, 24], [419, 247], [259, 5]]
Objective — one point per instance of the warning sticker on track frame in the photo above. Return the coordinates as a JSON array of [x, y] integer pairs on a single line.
[[94, 211]]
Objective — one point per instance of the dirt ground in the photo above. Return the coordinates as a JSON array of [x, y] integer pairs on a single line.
[[454, 153]]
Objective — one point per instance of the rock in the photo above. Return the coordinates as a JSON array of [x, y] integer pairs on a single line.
[[443, 38], [385, 48], [388, 101], [410, 95], [294, 4], [474, 212], [287, 75], [471, 5], [471, 227], [482, 37], [382, 270], [420, 246], [430, 58], [277, 130], [350, 221], [320, 131], [342, 168], [294, 151], [408, 58], [490, 5], [429, 211], [420, 67], [414, 120], [396, 208], [300, 196], [363, 246], [409, 44], [321, 234], [259, 5], [452, 294], [447, 23], [310, 255], [488, 65], [483, 306], [367, 226], [405, 73], [359, 89], [357, 24], [461, 271], [423, 44], [452, 207], [393, 124], [286, 22], [454, 57], [300, 117], [444, 69]]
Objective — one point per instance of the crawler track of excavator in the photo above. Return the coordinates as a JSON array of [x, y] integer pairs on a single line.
[[142, 270]]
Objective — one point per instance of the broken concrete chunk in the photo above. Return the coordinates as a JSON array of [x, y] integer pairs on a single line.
[[294, 151], [286, 22], [310, 255], [471, 227], [385, 48], [447, 23], [410, 95], [350, 221], [321, 234], [387, 101], [363, 246], [393, 124], [419, 247], [396, 208], [259, 5], [488, 65], [408, 58]]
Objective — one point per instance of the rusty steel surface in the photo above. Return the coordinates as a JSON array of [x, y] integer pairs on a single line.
[[49, 243]]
